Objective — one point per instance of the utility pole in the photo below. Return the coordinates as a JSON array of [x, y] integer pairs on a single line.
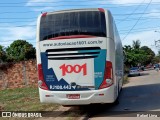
[[157, 44]]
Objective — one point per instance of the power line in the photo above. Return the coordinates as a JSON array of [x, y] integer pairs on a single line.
[[142, 28], [10, 41], [113, 14], [118, 5], [19, 18], [26, 24], [19, 26], [67, 1], [57, 1], [18, 21], [56, 6], [33, 19], [144, 18], [137, 20], [132, 12], [135, 13], [18, 39], [18, 12]]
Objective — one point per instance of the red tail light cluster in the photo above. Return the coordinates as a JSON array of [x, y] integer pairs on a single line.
[[41, 82], [108, 76]]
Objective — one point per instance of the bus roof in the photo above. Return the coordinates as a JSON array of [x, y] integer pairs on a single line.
[[76, 10]]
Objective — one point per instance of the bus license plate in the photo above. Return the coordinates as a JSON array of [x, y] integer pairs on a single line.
[[73, 96]]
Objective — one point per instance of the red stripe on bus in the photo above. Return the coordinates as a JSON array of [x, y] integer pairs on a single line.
[[72, 36]]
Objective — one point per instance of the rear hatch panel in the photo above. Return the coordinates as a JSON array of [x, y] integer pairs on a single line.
[[68, 66]]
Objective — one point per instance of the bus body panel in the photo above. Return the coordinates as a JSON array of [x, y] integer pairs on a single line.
[[86, 74], [87, 97], [114, 46], [111, 46]]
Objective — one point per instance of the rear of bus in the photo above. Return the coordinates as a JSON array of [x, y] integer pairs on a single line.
[[72, 59]]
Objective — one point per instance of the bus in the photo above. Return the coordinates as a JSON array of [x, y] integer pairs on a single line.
[[79, 57]]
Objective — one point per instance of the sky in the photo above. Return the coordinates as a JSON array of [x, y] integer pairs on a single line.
[[135, 19]]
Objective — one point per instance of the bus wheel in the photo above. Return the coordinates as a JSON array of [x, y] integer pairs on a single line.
[[116, 102]]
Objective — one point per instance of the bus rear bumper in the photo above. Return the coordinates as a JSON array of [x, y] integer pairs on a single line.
[[106, 95]]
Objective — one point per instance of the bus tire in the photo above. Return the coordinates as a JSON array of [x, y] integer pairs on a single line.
[[116, 102]]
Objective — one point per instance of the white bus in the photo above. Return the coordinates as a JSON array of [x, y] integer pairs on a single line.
[[79, 57]]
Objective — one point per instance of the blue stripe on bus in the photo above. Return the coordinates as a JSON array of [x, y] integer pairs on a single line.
[[99, 68]]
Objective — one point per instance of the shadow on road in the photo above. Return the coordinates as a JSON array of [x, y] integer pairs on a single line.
[[144, 74], [132, 100]]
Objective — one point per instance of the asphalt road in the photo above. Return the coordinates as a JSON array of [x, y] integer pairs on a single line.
[[142, 93], [140, 97]]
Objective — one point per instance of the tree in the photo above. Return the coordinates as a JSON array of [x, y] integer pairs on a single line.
[[20, 50], [129, 57], [2, 54], [156, 59], [136, 44], [127, 48], [149, 53], [137, 55], [158, 53]]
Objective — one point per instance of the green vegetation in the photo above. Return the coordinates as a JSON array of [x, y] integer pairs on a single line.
[[137, 55], [23, 99], [2, 54], [19, 50], [157, 58]]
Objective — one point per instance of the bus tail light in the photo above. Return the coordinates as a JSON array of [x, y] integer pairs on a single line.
[[41, 82], [108, 76]]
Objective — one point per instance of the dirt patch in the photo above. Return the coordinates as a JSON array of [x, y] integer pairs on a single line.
[[1, 108], [27, 99], [62, 113]]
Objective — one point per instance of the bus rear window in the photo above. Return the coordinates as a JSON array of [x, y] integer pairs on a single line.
[[73, 23]]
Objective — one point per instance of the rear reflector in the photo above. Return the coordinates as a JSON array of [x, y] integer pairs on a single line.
[[49, 95], [108, 76], [101, 94], [41, 82]]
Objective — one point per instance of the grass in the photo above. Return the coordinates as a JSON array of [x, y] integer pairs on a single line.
[[23, 99]]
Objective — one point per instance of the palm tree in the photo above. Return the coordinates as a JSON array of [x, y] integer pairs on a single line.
[[136, 44], [127, 48], [159, 53]]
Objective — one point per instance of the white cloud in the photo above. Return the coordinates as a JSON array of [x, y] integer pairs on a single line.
[[35, 2], [47, 5], [10, 34], [43, 9], [147, 38], [22, 32], [126, 1], [153, 13], [131, 1]]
